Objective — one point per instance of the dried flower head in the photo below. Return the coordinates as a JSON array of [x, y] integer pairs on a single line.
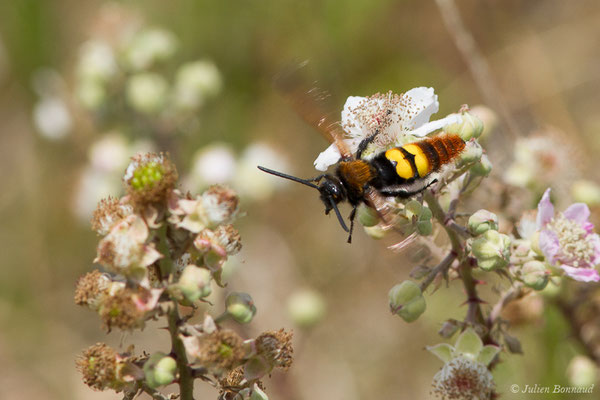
[[103, 368], [108, 213], [220, 351], [91, 287], [150, 178], [276, 348], [128, 309]]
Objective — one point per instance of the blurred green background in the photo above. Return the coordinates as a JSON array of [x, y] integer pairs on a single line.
[[543, 57]]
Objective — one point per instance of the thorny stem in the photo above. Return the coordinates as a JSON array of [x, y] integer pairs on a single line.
[[474, 314], [442, 267], [186, 379]]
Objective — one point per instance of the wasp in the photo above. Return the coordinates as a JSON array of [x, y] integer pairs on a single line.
[[400, 172]]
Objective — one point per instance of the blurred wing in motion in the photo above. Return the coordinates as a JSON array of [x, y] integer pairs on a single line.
[[310, 103]]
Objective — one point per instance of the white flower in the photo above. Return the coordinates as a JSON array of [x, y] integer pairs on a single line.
[[395, 116], [463, 378], [96, 61], [212, 164]]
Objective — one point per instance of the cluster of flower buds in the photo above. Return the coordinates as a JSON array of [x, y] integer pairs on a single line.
[[161, 249]]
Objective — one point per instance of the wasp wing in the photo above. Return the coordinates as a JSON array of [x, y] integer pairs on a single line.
[[309, 102]]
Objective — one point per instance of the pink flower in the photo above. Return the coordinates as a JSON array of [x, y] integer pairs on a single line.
[[567, 239]]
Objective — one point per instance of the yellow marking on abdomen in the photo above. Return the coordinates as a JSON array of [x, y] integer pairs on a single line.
[[421, 161], [403, 167]]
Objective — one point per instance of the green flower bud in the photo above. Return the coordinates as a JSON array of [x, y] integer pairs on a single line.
[[367, 216], [146, 92], [258, 394], [470, 155], [424, 223], [586, 192], [535, 274], [492, 250], [376, 232], [582, 371], [160, 370], [406, 300], [195, 283], [482, 221], [306, 308], [413, 208], [482, 168], [240, 307], [470, 127]]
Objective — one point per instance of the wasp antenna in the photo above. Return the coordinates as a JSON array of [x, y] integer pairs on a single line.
[[337, 212], [290, 177]]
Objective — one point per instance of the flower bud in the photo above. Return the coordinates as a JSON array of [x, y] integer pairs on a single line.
[[492, 250], [195, 283], [582, 371], [424, 223], [482, 221], [306, 308], [367, 216], [413, 209], [146, 92], [535, 274], [470, 127], [482, 168], [586, 192], [160, 370], [471, 154], [258, 394], [406, 300], [240, 307], [375, 232]]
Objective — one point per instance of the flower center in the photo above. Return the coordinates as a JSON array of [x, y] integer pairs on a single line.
[[576, 246]]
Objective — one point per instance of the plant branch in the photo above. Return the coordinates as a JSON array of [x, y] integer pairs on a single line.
[[186, 378], [442, 267]]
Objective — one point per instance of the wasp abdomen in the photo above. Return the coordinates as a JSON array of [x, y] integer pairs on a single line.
[[418, 159]]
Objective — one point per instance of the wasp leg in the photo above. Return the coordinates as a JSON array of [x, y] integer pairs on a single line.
[[352, 215], [362, 146]]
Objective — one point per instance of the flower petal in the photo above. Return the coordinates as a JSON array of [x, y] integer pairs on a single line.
[[578, 212], [581, 274], [545, 210], [549, 244], [423, 104], [351, 125], [437, 124], [328, 157]]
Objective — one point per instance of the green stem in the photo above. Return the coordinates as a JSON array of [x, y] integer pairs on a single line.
[[186, 378]]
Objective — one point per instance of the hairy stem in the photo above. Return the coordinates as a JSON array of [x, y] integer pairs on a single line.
[[186, 378], [441, 268]]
